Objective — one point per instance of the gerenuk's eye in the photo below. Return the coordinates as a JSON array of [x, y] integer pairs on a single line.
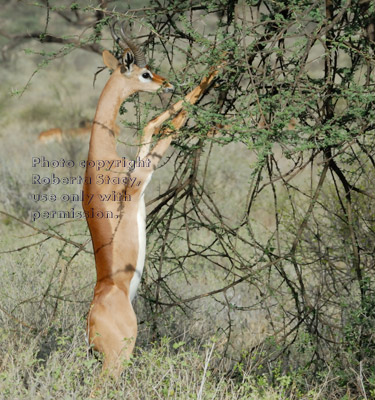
[[146, 75]]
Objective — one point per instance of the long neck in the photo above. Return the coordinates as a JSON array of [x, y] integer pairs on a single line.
[[102, 142]]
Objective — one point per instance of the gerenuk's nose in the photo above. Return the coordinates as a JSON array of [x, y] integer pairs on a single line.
[[169, 88]]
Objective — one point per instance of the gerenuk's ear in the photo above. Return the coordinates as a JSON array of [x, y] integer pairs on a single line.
[[110, 60], [128, 60]]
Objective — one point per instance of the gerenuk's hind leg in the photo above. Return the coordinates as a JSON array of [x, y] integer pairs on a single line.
[[112, 328]]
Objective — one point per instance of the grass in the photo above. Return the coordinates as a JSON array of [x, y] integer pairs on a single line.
[[165, 370]]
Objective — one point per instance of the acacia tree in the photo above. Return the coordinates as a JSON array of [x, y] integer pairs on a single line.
[[297, 93]]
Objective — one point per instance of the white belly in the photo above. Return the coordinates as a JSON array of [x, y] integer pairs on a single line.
[[141, 222]]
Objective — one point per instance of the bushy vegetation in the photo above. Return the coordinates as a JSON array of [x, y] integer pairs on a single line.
[[259, 279]]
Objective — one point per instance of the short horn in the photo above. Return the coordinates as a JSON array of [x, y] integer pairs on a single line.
[[115, 37], [140, 58]]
